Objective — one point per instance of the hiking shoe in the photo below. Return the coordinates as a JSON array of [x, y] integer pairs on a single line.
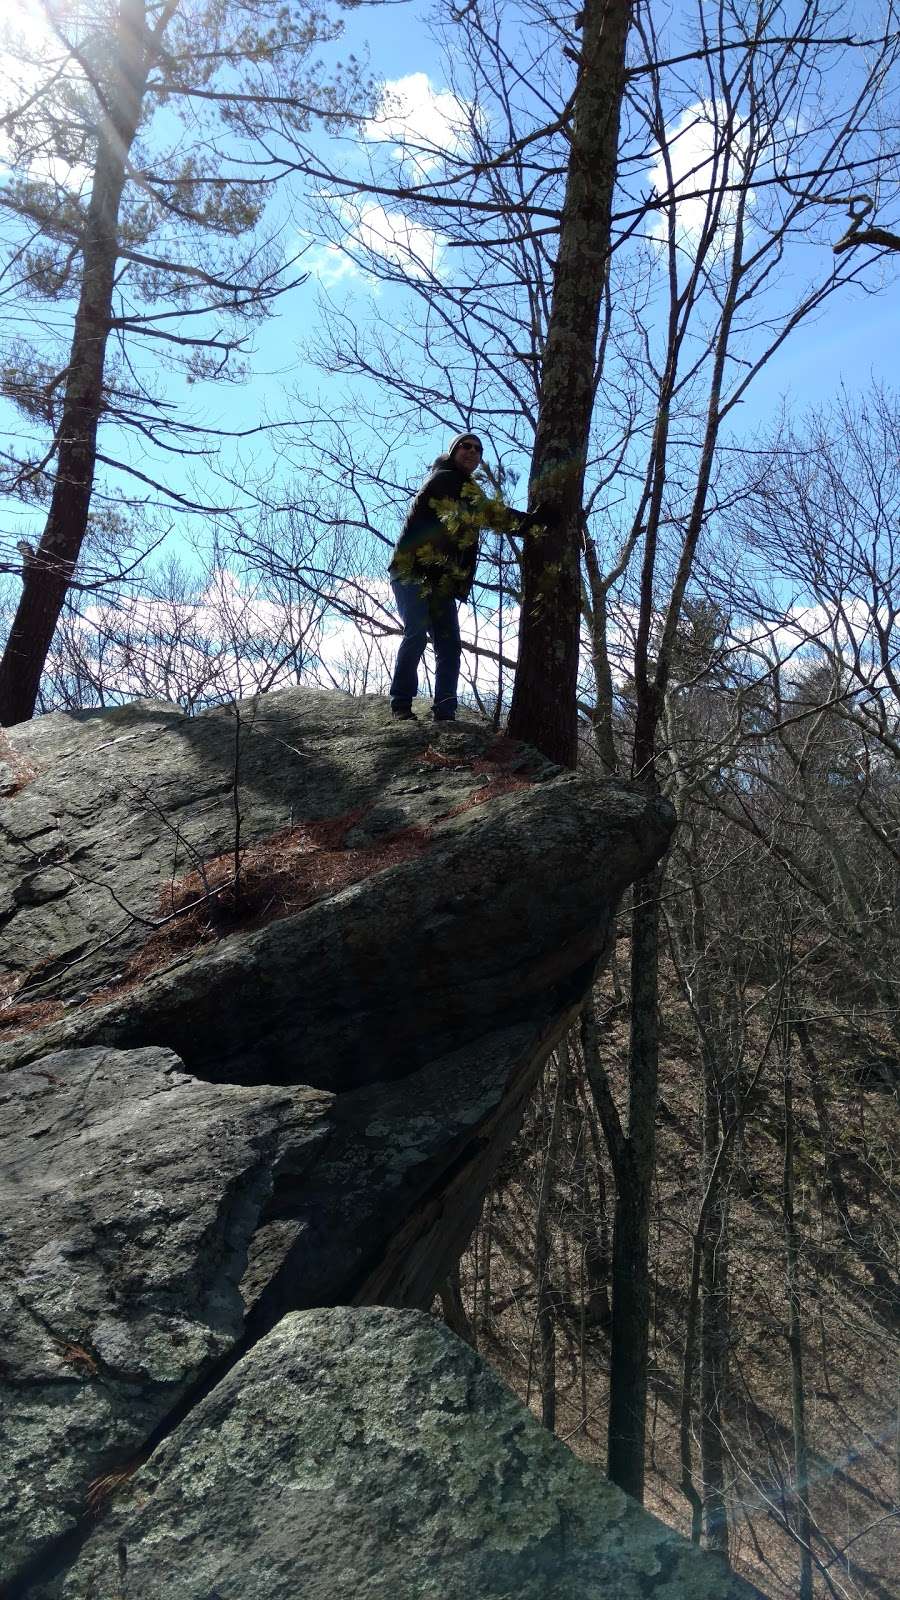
[[403, 714], [443, 716]]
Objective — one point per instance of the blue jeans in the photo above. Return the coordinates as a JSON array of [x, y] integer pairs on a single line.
[[433, 618]]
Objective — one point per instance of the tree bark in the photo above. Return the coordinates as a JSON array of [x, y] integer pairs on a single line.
[[543, 709], [47, 574], [596, 1241]]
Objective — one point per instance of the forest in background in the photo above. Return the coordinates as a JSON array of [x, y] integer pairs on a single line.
[[772, 1405], [622, 223]]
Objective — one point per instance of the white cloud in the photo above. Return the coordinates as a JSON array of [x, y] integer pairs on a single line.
[[393, 236], [331, 265], [850, 633], [362, 658], [697, 142], [421, 123], [225, 641], [370, 229]]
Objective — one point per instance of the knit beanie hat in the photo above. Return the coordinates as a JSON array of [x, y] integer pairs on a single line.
[[459, 439]]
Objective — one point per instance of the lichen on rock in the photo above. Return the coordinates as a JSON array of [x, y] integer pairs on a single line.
[[370, 1453]]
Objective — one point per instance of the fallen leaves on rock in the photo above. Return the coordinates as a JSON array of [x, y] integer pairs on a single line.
[[275, 877], [22, 770]]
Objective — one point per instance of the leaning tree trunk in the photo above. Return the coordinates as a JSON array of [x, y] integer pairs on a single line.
[[47, 573], [543, 709], [452, 1306]]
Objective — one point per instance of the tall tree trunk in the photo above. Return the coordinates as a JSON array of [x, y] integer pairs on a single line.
[[834, 1176], [602, 716], [803, 1520], [543, 709], [707, 1306], [713, 1330], [706, 1326], [634, 1178], [584, 1199], [546, 1314], [596, 1223], [47, 574]]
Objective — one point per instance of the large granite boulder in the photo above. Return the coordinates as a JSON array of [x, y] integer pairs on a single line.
[[357, 1033], [129, 1196], [442, 889], [154, 1225], [370, 1453]]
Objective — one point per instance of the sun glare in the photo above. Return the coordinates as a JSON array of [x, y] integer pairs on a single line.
[[26, 24], [35, 66]]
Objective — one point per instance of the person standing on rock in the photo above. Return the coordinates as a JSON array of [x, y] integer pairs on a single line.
[[433, 568]]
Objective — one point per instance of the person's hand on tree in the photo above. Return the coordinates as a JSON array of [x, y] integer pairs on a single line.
[[540, 516]]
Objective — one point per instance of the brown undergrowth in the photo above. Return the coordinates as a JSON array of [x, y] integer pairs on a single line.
[[273, 878], [23, 771], [277, 876], [18, 1017], [498, 755]]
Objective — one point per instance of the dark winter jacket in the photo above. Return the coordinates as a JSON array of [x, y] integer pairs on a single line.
[[438, 543]]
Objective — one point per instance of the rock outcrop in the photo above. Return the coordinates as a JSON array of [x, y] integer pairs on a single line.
[[131, 1195], [503, 874], [369, 1453], [276, 985]]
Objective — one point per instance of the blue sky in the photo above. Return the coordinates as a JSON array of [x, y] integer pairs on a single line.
[[394, 39], [851, 343]]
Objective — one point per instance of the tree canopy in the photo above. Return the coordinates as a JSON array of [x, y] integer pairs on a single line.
[[145, 143]]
